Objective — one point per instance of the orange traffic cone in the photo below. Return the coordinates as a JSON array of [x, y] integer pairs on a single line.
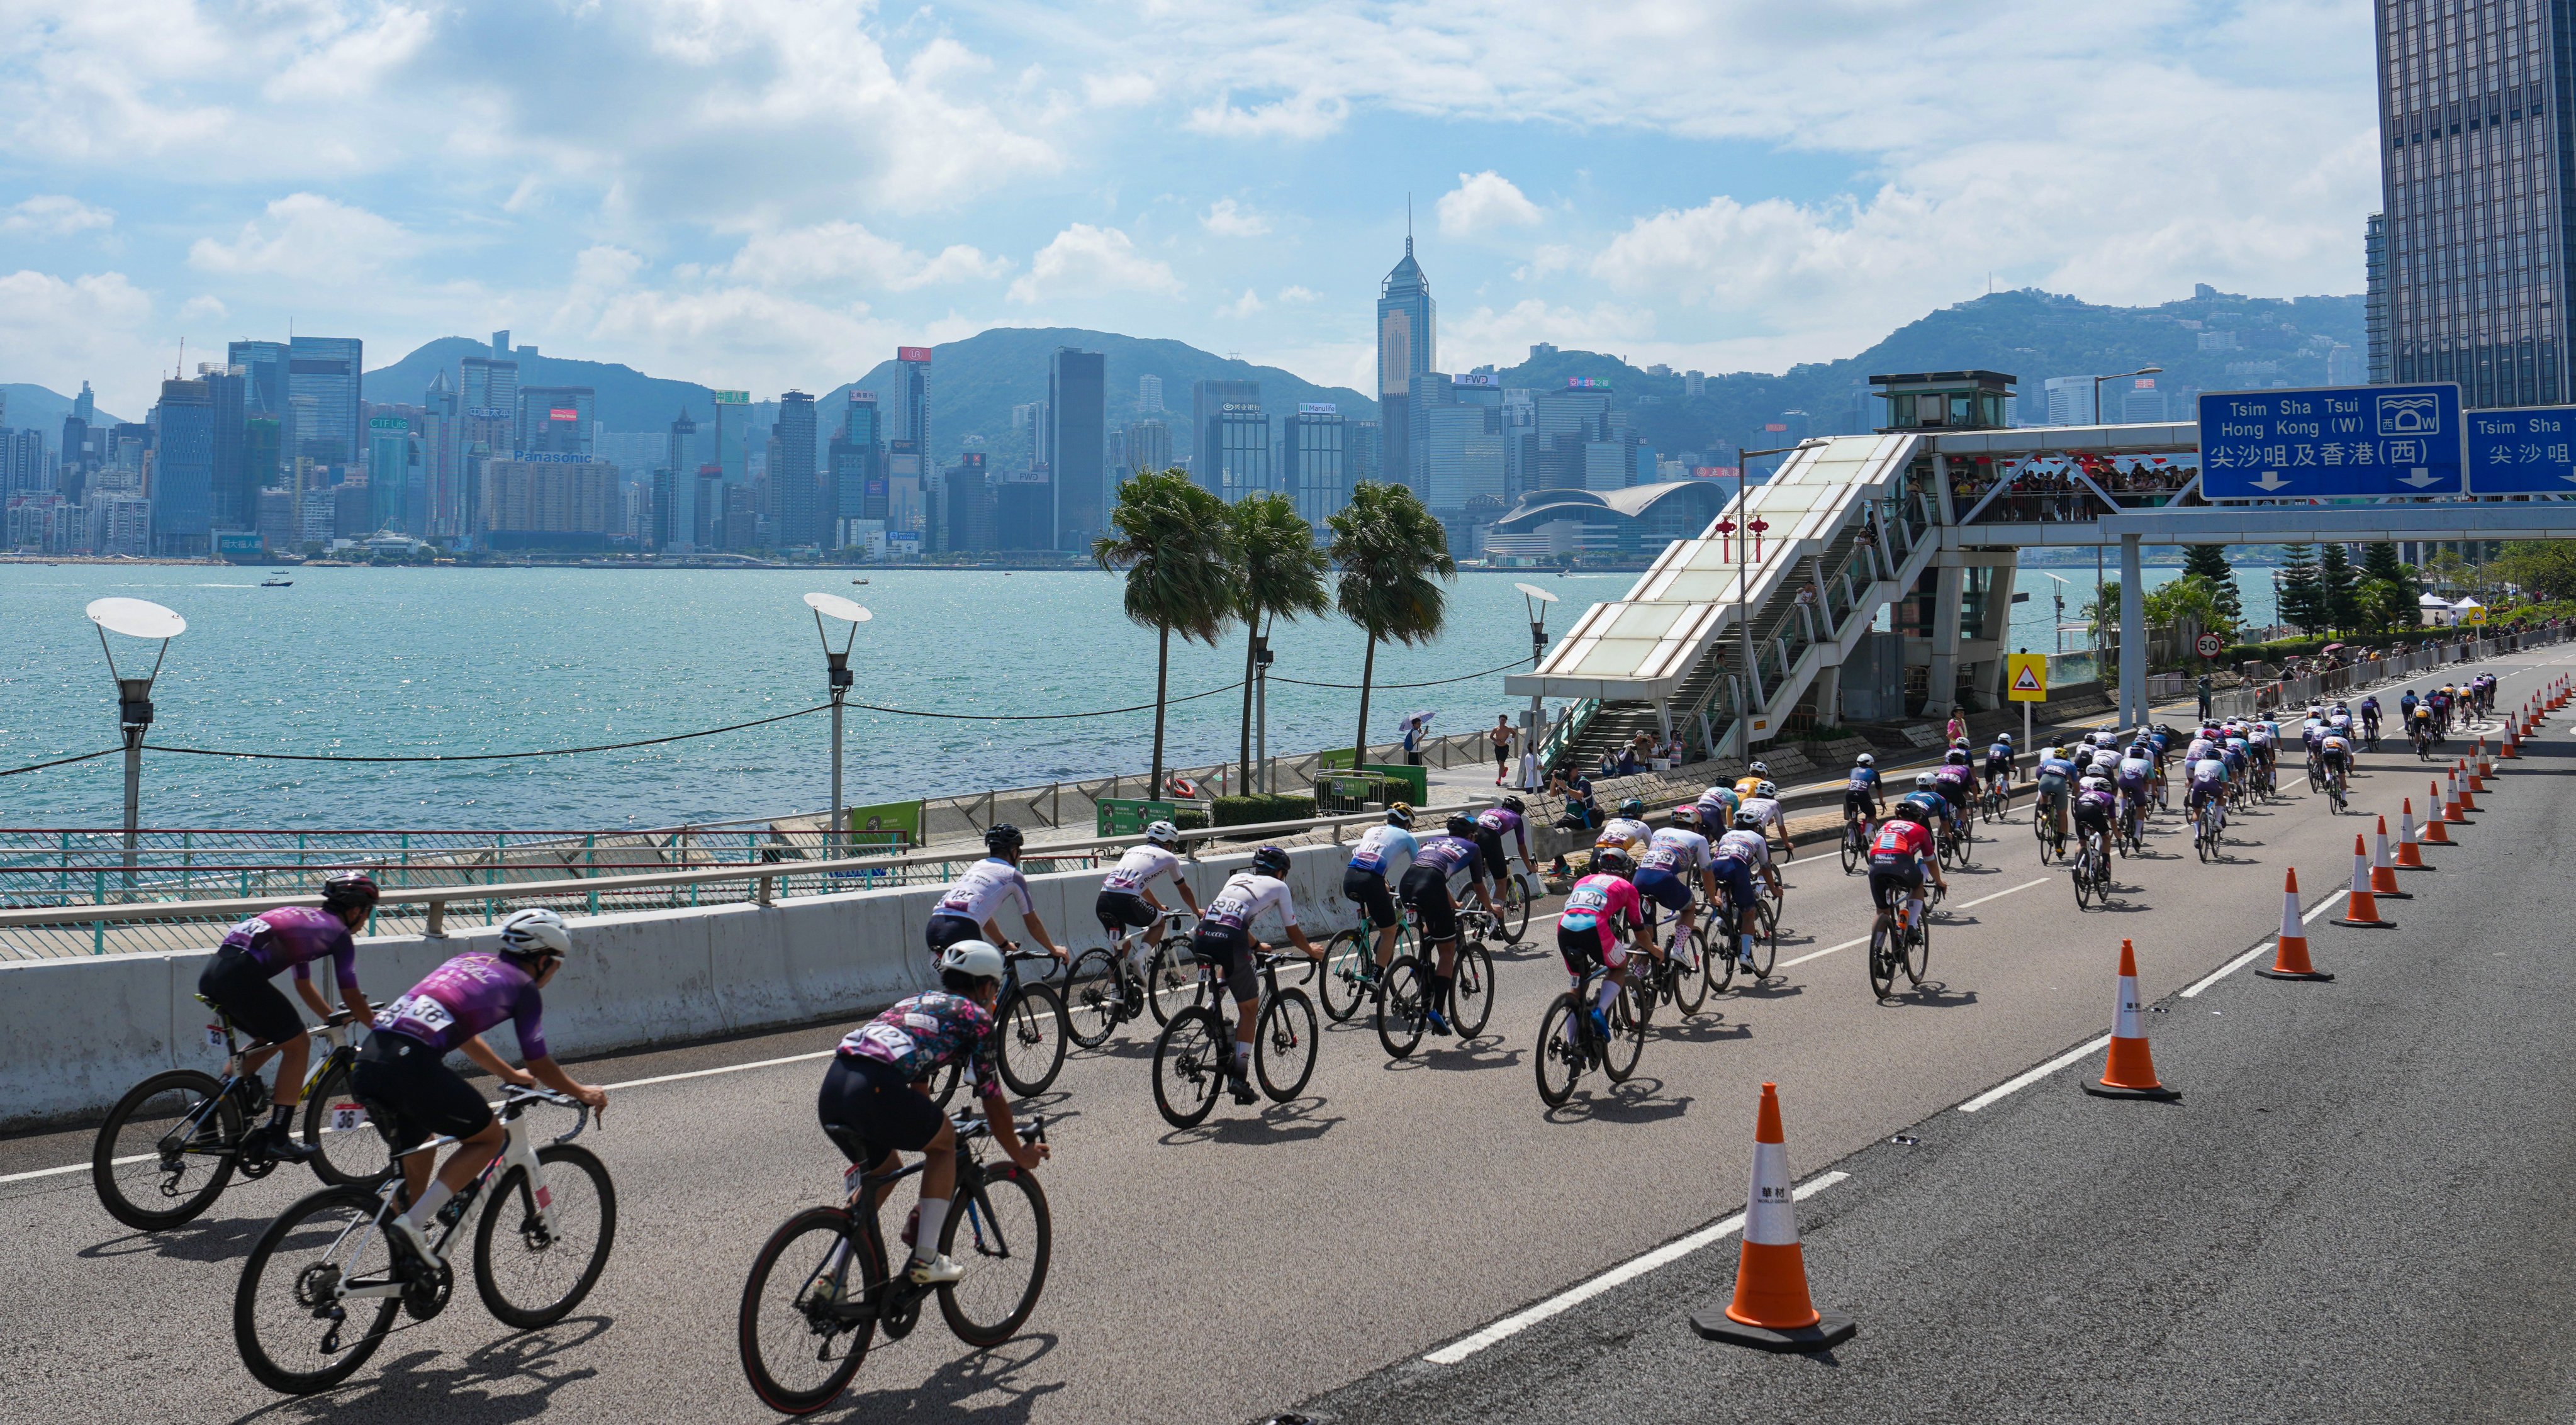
[[2486, 764], [2383, 872], [2454, 806], [2290, 962], [2512, 748], [1771, 1311], [2471, 777], [2435, 817], [2460, 786], [2359, 909], [2408, 856], [2131, 1071]]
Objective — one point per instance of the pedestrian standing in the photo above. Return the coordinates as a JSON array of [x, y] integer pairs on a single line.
[[1501, 737], [1958, 728], [1412, 742], [2204, 697]]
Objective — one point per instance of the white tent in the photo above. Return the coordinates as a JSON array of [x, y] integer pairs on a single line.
[[2433, 610]]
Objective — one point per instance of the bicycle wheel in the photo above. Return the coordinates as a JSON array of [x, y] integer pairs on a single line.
[[1627, 1043], [294, 1333], [1559, 1063], [347, 1150], [1091, 1007], [1690, 972], [1346, 956], [540, 1278], [948, 1079], [1190, 1060], [2083, 879], [796, 1350], [166, 1149], [1717, 952], [1283, 1045], [1001, 1233], [1851, 849], [1882, 960], [1404, 994], [1471, 990], [1514, 919], [1172, 980], [1766, 939], [1032, 1032], [1918, 950]]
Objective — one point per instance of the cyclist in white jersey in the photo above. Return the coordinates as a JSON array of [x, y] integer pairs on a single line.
[[969, 907], [1739, 854], [1127, 898], [1627, 831], [1675, 855], [1224, 939], [1378, 863], [1765, 805]]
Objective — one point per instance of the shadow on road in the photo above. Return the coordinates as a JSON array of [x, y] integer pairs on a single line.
[[526, 1371], [946, 1394], [204, 1240]]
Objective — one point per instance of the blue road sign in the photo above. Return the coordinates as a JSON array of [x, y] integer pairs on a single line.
[[2333, 441], [2527, 451]]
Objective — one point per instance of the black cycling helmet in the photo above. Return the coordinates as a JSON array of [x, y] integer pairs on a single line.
[[1633, 807], [349, 888], [1512, 804], [1002, 838], [1270, 861], [1460, 825]]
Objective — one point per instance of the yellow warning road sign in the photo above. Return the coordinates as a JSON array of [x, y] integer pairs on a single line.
[[2028, 677]]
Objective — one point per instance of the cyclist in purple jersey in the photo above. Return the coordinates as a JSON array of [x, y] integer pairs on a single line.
[[411, 1094], [240, 981], [1494, 825], [875, 1102]]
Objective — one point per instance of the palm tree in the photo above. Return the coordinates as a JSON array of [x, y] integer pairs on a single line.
[[1278, 573], [1388, 547], [1170, 537]]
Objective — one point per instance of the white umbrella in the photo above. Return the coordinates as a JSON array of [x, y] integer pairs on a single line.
[[1421, 719]]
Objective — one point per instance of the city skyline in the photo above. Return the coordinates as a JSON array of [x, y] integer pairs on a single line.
[[1235, 180]]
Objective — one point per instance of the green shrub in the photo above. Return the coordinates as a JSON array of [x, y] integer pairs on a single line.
[[1189, 819], [1257, 809]]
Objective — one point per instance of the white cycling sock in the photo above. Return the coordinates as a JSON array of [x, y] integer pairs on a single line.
[[934, 1214], [432, 1198], [1242, 1054], [1601, 998]]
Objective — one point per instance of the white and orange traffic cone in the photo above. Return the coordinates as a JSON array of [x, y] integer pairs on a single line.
[[1771, 1310], [2409, 857], [2290, 960], [2436, 818], [2360, 910], [2486, 764], [2454, 809], [2512, 748], [2475, 780], [2460, 780], [2131, 1070], [2383, 872]]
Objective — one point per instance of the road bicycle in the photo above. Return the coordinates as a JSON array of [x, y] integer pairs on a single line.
[[2426, 741], [176, 1139], [2130, 837], [2092, 871], [1029, 1031], [1569, 1044], [1104, 989], [1679, 977], [1404, 1001], [2370, 734], [2044, 829], [1857, 832], [1196, 1050], [2209, 828], [1766, 934], [1511, 906], [2335, 794], [1901, 940], [1997, 798], [2316, 773], [1955, 841], [1351, 978], [319, 1291], [805, 1326]]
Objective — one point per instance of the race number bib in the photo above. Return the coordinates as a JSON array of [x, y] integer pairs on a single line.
[[346, 1116], [850, 1177], [424, 1011], [214, 1036], [893, 1041], [1588, 898], [1229, 911]]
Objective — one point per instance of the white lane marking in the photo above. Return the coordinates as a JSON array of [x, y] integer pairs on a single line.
[[1864, 940], [1820, 954], [1999, 895], [2015, 1085], [2232, 966], [1628, 1271]]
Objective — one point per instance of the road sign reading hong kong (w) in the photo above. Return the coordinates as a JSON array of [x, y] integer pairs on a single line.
[[2334, 441], [2530, 450]]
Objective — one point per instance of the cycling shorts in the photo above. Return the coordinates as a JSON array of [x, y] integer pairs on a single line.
[[2054, 789], [1496, 863], [1888, 888], [1229, 948], [1426, 889], [942, 931], [1858, 803], [1956, 794], [1664, 888], [869, 1112], [1735, 877], [1121, 911], [411, 1095], [1367, 890], [2092, 816], [246, 991], [1583, 949]]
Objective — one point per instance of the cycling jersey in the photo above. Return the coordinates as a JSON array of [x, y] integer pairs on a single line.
[[1747, 786], [2208, 772], [462, 998], [1767, 809], [2200, 747], [293, 937], [2057, 768], [1900, 848], [1503, 821], [928, 1032], [1717, 806], [1247, 894], [2336, 747], [1385, 850], [1919, 806], [1999, 758], [2134, 771], [1675, 850], [1601, 904], [1749, 847], [1953, 782], [1457, 859], [1863, 779], [1142, 866], [1623, 832], [2093, 805], [980, 892]]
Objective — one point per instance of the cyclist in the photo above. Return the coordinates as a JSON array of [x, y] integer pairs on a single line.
[[2131, 778], [2095, 803], [967, 910], [1755, 774], [1441, 866], [873, 1104], [2258, 747], [1673, 854], [1924, 805], [1898, 856], [1739, 853], [410, 1094], [2336, 753], [1717, 805], [2439, 700], [1956, 784], [1224, 939], [2406, 710], [1627, 831], [1864, 799], [2208, 783], [2056, 777], [1127, 897], [1494, 823], [2426, 735], [1999, 764], [1588, 931], [1764, 806], [1383, 855], [241, 982]]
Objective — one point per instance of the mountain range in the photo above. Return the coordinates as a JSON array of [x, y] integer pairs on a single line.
[[35, 408]]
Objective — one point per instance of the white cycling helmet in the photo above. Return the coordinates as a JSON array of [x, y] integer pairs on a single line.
[[1163, 833], [535, 933], [1759, 769], [1767, 789], [1865, 760], [1925, 781], [972, 958], [1748, 821]]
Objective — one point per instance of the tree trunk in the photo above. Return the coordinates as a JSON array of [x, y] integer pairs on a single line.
[[1368, 671], [1162, 685], [1251, 645]]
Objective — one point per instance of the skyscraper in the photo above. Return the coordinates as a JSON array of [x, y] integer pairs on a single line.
[[2374, 302], [442, 435], [392, 466], [2474, 141], [858, 467], [263, 366], [1149, 447], [183, 469], [1314, 474], [791, 473], [556, 420], [228, 485], [1149, 395], [1407, 347], [1238, 461], [489, 405], [1077, 451], [327, 368], [915, 431], [1207, 399]]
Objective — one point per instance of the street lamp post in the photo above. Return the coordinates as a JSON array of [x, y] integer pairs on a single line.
[[2122, 376], [1535, 600], [837, 678], [1261, 714], [134, 618]]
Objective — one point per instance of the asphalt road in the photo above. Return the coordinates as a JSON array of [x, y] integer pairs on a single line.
[[1231, 1271]]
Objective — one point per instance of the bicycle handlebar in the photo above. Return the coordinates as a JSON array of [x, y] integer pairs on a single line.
[[515, 1099]]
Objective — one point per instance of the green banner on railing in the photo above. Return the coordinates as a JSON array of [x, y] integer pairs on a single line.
[[886, 819], [1121, 817]]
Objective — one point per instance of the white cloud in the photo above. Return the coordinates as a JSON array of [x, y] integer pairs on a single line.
[[1303, 115], [735, 336], [1483, 202], [1296, 294], [845, 252], [1085, 260], [203, 307], [1504, 337], [54, 215], [310, 238], [1244, 306], [1226, 218], [348, 57], [55, 331], [1119, 91]]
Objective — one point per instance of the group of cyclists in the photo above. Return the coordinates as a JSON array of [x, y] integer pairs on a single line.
[[2432, 717]]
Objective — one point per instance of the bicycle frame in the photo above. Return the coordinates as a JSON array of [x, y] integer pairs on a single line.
[[516, 1152]]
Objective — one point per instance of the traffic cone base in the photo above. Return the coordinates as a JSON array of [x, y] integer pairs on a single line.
[[2159, 1093], [1830, 1330], [2290, 962]]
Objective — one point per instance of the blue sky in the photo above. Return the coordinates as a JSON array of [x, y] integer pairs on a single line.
[[768, 193]]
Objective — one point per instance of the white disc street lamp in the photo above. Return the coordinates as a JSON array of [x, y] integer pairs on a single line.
[[1535, 600], [838, 678], [134, 618]]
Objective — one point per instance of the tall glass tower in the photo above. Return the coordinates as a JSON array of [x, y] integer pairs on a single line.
[[1407, 341]]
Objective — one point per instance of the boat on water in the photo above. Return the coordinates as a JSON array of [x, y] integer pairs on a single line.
[[277, 583], [858, 581]]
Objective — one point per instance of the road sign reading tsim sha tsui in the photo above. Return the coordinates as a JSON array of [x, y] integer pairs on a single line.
[[2329, 442], [2028, 675]]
